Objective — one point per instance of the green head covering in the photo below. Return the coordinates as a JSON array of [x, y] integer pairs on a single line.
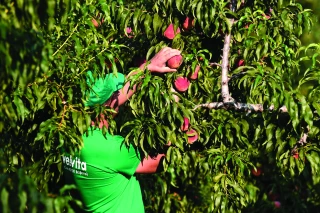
[[102, 88]]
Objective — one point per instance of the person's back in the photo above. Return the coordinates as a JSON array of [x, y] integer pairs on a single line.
[[104, 174]]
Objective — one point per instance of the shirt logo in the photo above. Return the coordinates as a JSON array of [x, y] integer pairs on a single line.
[[74, 165]]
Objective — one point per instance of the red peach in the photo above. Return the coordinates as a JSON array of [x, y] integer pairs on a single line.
[[176, 98], [267, 16], [188, 23], [95, 23], [194, 75], [257, 172], [185, 126], [241, 63], [182, 84], [169, 33], [277, 204], [128, 30], [175, 61], [192, 136]]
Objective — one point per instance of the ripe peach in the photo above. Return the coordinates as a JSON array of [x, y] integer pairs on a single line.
[[192, 136], [194, 75], [188, 23], [176, 98], [95, 23], [185, 126], [175, 61], [169, 32], [241, 63], [277, 204], [257, 172], [181, 84], [266, 16], [128, 30]]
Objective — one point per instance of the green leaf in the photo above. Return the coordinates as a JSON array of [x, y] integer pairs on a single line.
[[157, 23]]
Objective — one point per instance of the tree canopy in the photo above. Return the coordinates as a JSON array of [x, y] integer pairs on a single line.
[[251, 144]]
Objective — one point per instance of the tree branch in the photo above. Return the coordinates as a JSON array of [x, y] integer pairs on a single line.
[[74, 29], [239, 107], [226, 97], [224, 73]]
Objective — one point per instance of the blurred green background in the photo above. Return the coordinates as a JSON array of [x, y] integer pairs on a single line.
[[314, 35]]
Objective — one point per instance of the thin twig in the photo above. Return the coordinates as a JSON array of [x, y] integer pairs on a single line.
[[214, 64], [75, 28]]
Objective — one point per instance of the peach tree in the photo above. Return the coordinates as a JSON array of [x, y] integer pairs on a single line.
[[240, 114]]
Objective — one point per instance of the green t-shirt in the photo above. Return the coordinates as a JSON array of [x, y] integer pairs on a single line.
[[103, 172]]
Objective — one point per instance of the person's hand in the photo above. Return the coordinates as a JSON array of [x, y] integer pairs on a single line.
[[158, 62]]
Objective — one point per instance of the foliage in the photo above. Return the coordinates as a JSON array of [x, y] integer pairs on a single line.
[[47, 47]]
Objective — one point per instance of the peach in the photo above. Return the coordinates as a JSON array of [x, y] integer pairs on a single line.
[[95, 23], [266, 16], [176, 98], [188, 23], [257, 172], [175, 61], [277, 204], [194, 75], [128, 30], [185, 126], [241, 63], [181, 84], [169, 32], [192, 136]]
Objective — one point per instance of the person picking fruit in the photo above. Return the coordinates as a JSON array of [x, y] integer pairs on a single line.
[[104, 169]]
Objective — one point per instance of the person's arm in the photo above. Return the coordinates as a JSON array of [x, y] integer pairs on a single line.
[[157, 65], [150, 165]]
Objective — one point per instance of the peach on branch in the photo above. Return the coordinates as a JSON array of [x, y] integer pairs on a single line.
[[181, 84], [129, 32], [194, 75], [192, 136], [241, 63], [277, 204], [295, 155], [186, 123], [188, 23], [266, 16], [256, 172], [169, 33], [175, 61], [95, 23], [175, 97]]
